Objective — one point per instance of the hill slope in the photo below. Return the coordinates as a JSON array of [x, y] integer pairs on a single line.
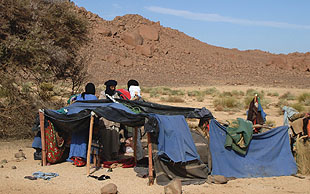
[[134, 47]]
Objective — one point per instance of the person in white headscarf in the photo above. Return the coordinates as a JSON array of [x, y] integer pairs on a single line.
[[134, 89]]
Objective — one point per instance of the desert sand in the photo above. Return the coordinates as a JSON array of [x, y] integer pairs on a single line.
[[73, 179]]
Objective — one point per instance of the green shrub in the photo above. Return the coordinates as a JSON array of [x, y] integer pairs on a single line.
[[3, 92], [304, 98], [26, 87], [252, 92], [211, 91], [177, 92], [45, 86], [226, 102], [273, 94], [287, 96], [248, 99], [237, 93], [298, 106], [270, 123], [174, 99], [146, 89], [225, 94], [195, 93], [200, 98], [154, 94]]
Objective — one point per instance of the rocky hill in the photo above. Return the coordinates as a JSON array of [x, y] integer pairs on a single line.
[[134, 47]]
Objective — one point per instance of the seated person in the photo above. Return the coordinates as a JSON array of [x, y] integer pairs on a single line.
[[78, 147], [110, 91], [134, 89]]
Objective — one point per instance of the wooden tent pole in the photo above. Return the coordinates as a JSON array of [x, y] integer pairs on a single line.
[[135, 143], [41, 116], [91, 125], [149, 143]]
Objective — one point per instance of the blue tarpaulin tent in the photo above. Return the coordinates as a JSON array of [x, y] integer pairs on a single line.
[[268, 154]]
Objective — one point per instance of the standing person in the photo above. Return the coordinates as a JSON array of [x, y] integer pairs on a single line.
[[78, 146], [110, 91]]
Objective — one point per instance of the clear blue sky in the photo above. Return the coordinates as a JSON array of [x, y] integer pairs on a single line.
[[276, 26]]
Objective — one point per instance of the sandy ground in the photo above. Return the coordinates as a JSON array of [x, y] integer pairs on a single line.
[[73, 179]]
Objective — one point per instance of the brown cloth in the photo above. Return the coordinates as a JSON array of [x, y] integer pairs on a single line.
[[297, 126], [254, 115], [111, 143]]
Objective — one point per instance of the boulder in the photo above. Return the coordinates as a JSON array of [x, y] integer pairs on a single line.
[[132, 38], [109, 189], [20, 154], [145, 50], [104, 31], [174, 187], [217, 179], [149, 32]]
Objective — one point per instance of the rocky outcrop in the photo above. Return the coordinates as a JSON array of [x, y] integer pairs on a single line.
[[149, 32], [132, 38]]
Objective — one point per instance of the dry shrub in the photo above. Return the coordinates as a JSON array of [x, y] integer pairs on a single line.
[[304, 98], [16, 110], [211, 91], [303, 156], [172, 99], [287, 96], [271, 123], [226, 103], [298, 106]]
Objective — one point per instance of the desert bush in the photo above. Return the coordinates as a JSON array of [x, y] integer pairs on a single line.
[[287, 96], [177, 92], [270, 123], [237, 93], [4, 92], [46, 86], [157, 91], [304, 98], [225, 94], [41, 40], [303, 156], [146, 89], [195, 93], [282, 103], [211, 91], [248, 99], [298, 106], [26, 87], [274, 94], [252, 92], [200, 98], [174, 99], [226, 103]]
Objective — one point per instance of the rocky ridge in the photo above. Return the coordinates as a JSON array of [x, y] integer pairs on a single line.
[[133, 47]]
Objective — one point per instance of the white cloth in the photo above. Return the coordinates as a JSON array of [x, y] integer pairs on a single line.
[[134, 91]]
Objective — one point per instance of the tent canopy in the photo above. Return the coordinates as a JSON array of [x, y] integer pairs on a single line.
[[125, 112]]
